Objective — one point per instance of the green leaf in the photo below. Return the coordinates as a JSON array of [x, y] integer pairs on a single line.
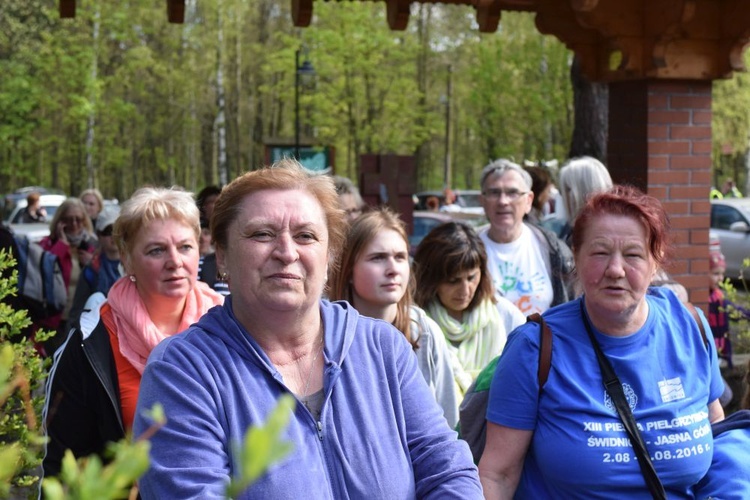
[[263, 446]]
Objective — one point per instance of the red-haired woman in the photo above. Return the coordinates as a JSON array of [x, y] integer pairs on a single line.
[[568, 441]]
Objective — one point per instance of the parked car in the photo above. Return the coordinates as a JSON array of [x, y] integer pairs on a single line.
[[37, 230], [10, 201], [425, 221], [730, 224], [49, 202], [468, 199]]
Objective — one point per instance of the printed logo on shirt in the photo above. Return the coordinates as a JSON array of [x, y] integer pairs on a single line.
[[671, 390], [629, 396], [522, 290]]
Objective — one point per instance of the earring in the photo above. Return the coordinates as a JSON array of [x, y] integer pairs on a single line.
[[132, 278], [224, 276]]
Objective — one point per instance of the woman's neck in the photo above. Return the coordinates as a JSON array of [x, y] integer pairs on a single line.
[[619, 325], [384, 312], [286, 337], [457, 315]]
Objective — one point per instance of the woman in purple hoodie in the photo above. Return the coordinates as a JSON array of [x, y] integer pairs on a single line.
[[365, 423]]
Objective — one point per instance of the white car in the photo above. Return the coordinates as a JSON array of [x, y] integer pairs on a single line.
[[37, 230], [49, 202], [730, 224]]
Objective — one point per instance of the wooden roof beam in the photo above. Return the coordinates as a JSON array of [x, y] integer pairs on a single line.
[[67, 9], [488, 11], [176, 11]]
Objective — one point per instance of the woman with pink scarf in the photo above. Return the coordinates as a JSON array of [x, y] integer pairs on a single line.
[[93, 385]]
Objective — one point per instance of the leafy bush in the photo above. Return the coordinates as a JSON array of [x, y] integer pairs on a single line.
[[740, 325], [22, 374]]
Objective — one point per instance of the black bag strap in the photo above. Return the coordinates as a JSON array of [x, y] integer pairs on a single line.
[[614, 389]]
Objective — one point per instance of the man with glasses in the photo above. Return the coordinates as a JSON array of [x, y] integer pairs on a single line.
[[529, 265]]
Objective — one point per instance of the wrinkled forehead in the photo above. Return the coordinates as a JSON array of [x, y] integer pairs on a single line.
[[507, 178]]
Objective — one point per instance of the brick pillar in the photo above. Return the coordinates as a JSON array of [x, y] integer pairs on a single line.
[[660, 141]]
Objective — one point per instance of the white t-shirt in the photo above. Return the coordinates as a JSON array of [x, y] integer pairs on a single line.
[[519, 271]]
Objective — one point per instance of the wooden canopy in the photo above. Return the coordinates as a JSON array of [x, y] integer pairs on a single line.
[[616, 40]]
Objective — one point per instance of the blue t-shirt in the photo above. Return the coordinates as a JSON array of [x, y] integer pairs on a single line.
[[729, 475], [579, 448]]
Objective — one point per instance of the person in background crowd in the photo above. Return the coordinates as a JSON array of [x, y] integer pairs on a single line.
[[206, 200], [529, 265], [539, 444], [580, 178], [72, 239], [204, 243], [375, 277], [541, 186], [365, 424], [720, 309], [451, 201], [432, 203], [207, 271], [729, 189], [34, 212], [349, 198], [95, 379], [103, 270], [93, 202], [455, 289]]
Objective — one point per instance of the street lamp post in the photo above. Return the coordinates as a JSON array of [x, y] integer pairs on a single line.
[[305, 70]]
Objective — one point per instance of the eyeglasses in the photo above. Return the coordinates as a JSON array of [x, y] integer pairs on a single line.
[[511, 194], [72, 220]]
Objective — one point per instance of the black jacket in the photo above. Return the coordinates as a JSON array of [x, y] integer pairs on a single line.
[[82, 410]]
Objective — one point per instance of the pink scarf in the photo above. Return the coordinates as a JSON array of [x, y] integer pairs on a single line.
[[136, 332]]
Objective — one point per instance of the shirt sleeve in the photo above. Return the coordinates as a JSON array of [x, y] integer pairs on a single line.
[[717, 382], [514, 392], [442, 463]]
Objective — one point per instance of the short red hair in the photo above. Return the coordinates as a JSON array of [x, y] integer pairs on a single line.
[[630, 202]]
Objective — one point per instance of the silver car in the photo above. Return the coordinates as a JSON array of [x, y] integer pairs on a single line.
[[730, 223]]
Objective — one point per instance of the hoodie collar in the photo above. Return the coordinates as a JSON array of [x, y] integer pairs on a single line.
[[339, 325]]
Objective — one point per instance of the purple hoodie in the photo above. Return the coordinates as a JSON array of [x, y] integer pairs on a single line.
[[380, 435]]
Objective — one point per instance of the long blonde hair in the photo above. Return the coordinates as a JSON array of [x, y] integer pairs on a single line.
[[361, 233]]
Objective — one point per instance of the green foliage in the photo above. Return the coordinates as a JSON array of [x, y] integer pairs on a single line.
[[88, 479], [730, 127], [740, 325], [153, 99], [22, 374]]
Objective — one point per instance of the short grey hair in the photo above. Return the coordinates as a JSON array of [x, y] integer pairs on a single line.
[[500, 167], [344, 185], [580, 178]]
